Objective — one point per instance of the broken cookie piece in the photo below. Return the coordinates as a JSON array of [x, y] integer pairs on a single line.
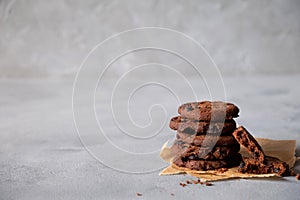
[[271, 165], [259, 163], [249, 142]]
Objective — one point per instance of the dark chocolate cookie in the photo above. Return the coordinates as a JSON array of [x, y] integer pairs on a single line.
[[207, 164], [192, 126], [209, 111], [248, 141], [271, 165], [209, 139], [208, 153]]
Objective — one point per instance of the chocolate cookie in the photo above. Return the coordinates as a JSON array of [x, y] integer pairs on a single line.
[[207, 164], [192, 126], [271, 165], [209, 111], [209, 139], [248, 141], [197, 152]]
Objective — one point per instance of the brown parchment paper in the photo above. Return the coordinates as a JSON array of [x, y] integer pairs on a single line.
[[282, 149]]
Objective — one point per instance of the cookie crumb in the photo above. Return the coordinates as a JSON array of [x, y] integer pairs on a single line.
[[208, 184], [298, 176], [172, 194], [188, 182], [222, 170], [138, 194], [182, 184]]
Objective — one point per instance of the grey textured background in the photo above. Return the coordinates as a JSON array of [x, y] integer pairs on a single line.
[[51, 38], [256, 45]]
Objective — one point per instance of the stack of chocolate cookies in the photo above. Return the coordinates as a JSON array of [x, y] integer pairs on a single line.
[[204, 138]]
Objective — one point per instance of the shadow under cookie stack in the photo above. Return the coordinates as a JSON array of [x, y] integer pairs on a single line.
[[204, 138]]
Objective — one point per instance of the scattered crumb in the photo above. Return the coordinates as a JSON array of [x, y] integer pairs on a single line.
[[197, 182], [138, 194], [172, 194], [298, 176], [222, 170], [182, 184], [194, 182], [208, 184]]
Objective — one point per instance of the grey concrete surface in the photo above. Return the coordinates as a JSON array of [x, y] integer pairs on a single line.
[[41, 156]]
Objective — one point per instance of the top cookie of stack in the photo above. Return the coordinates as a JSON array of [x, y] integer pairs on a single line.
[[209, 111], [198, 145], [206, 117]]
